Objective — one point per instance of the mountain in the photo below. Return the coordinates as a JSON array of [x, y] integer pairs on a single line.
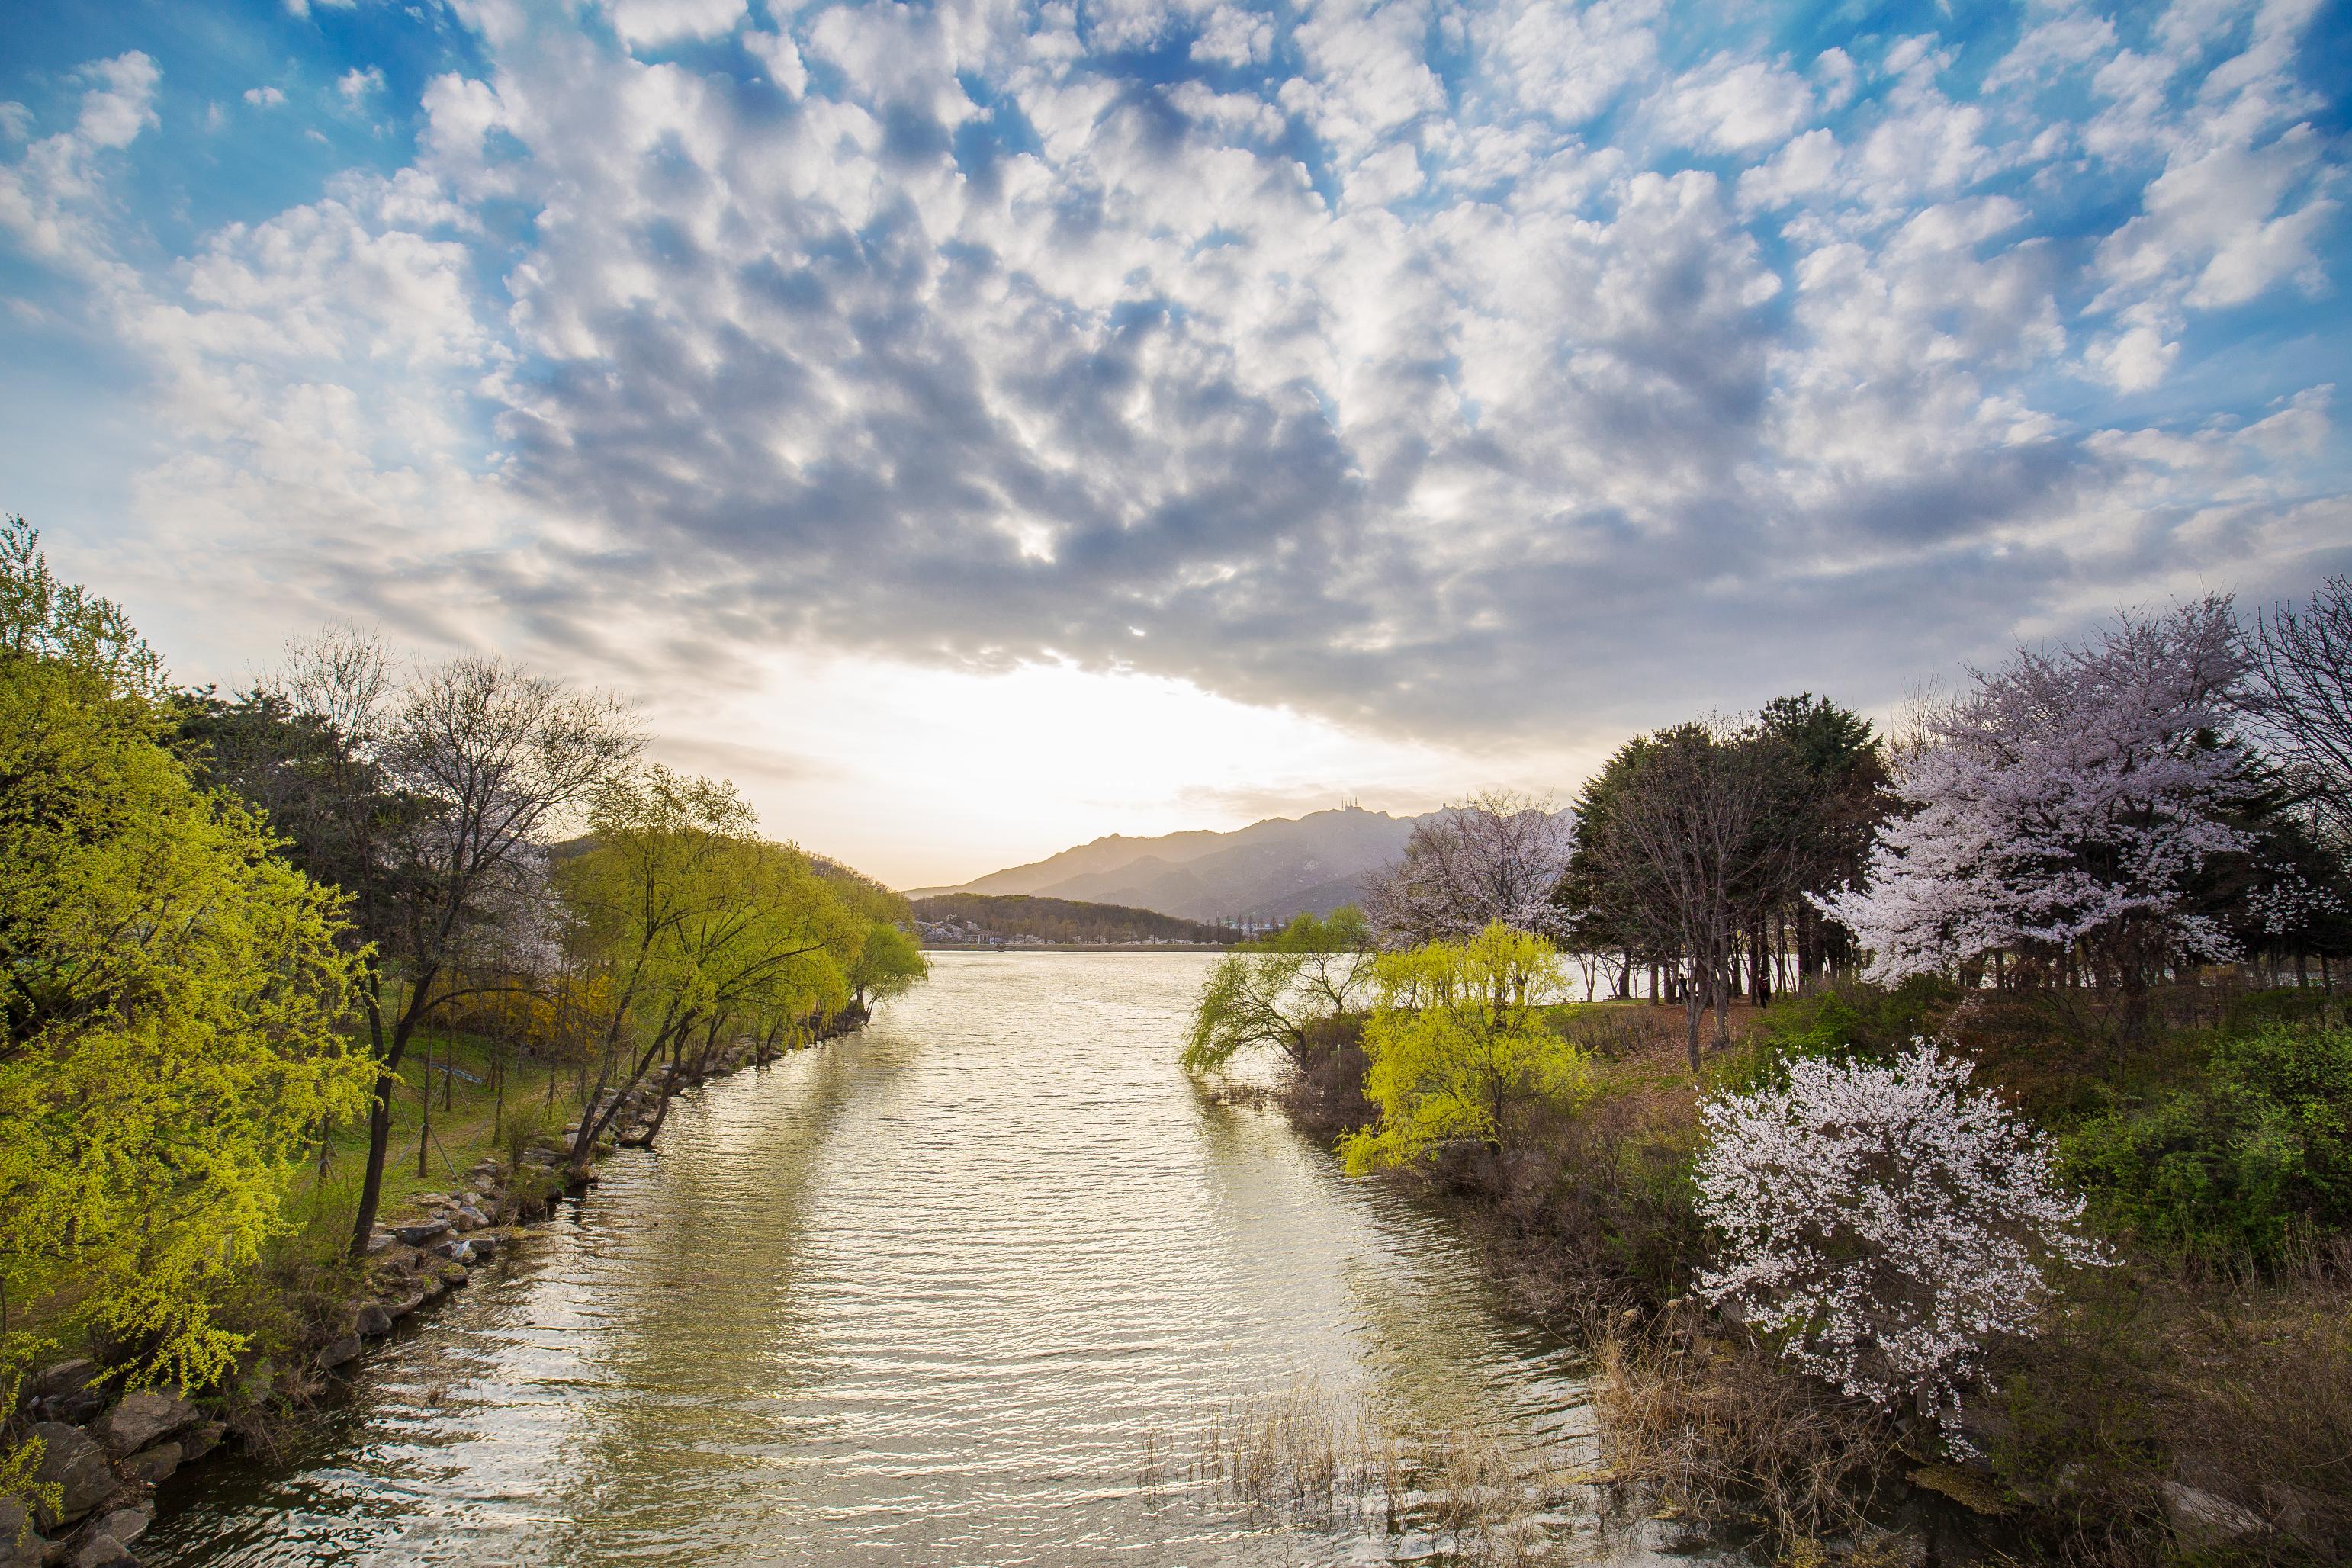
[[1269, 870], [982, 918]]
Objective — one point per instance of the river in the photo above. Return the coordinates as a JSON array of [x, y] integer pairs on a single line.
[[985, 1283]]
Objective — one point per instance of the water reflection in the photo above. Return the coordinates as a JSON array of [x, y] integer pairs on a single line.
[[927, 1294]]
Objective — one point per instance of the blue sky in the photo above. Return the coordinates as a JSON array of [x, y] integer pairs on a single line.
[[1173, 414]]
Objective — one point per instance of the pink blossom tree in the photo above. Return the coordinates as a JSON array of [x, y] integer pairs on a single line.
[[2064, 808], [1886, 1223]]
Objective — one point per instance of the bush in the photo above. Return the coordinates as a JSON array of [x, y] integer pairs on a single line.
[[2230, 1168], [1884, 1224]]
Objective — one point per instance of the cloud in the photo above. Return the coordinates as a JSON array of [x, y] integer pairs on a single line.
[[264, 97], [1458, 374], [357, 84]]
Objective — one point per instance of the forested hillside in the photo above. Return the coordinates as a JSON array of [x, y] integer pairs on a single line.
[[977, 917]]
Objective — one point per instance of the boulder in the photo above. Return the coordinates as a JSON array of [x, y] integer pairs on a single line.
[[470, 1218], [125, 1524], [68, 1390], [153, 1465], [422, 1231], [455, 1248], [19, 1547], [452, 1274], [407, 1301], [199, 1441], [255, 1379], [372, 1320], [378, 1239], [339, 1349], [486, 1243], [2205, 1522], [100, 1550], [141, 1418], [76, 1466]]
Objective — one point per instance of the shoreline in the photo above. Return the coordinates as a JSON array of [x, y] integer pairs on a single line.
[[107, 1450]]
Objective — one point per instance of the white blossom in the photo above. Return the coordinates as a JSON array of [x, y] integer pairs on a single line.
[[2072, 796], [1886, 1222], [1498, 856]]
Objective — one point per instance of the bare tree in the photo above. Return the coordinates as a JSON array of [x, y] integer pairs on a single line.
[[2302, 694], [1689, 843], [429, 806], [1498, 857]]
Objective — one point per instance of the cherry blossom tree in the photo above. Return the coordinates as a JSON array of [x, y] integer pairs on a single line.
[[1884, 1222], [2064, 807], [1498, 857]]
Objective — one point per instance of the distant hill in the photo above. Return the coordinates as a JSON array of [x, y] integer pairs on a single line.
[[1269, 870], [961, 917]]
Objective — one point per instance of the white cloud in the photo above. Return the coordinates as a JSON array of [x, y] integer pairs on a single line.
[[357, 85], [264, 97]]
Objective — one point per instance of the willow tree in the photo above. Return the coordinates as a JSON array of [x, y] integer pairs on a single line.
[[690, 921], [172, 1000], [1459, 1047]]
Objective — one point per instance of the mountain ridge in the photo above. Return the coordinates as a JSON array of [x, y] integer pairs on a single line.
[[1269, 870]]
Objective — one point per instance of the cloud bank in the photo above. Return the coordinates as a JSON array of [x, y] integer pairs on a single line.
[[1464, 371]]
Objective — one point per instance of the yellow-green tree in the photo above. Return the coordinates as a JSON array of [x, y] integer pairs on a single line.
[[693, 925], [1459, 1046], [889, 964], [172, 1000]]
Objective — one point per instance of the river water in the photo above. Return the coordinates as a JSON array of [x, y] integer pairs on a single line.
[[982, 1284]]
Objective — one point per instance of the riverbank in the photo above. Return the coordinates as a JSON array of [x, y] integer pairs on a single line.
[[310, 1318], [2190, 1403]]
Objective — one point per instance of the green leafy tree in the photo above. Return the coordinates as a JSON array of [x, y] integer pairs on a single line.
[[1272, 995], [889, 963], [1460, 1047], [173, 999]]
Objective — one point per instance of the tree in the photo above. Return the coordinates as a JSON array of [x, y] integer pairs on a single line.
[[1272, 994], [688, 920], [430, 805], [2063, 810], [1885, 1223], [889, 963], [1693, 839], [1498, 857], [1459, 1047], [2302, 693], [173, 999], [1834, 798]]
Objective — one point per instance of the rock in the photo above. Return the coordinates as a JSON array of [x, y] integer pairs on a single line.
[[76, 1466], [336, 1352], [472, 1218], [374, 1321], [19, 1547], [101, 1551], [486, 1243], [430, 1285], [407, 1301], [452, 1274], [66, 1391], [378, 1239], [199, 1441], [255, 1378], [456, 1248], [2204, 1521], [141, 1418], [153, 1465], [421, 1232], [126, 1524]]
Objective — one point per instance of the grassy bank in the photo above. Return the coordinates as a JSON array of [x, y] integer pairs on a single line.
[[2192, 1403]]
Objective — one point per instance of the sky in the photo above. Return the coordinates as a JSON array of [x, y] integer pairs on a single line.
[[975, 428]]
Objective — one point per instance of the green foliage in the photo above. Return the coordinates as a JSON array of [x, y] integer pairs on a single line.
[[1344, 930], [2230, 1167], [172, 999], [889, 964], [1459, 1044]]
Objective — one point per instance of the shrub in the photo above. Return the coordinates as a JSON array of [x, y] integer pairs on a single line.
[[1883, 1223], [2230, 1167]]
